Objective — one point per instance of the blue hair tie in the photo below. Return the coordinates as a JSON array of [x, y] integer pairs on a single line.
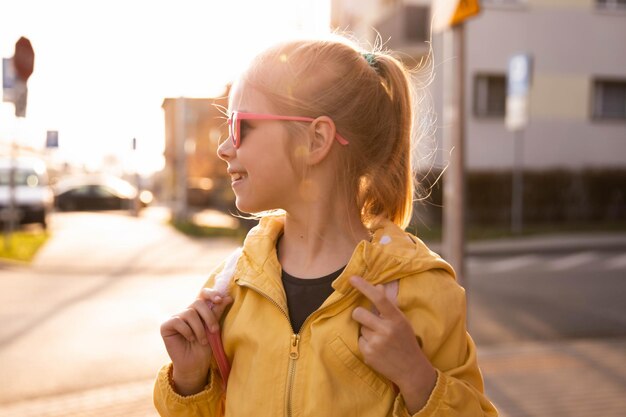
[[371, 59]]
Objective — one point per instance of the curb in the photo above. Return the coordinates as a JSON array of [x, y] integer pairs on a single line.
[[547, 244]]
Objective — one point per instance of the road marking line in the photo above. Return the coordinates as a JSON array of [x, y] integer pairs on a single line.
[[510, 264], [572, 261], [617, 262]]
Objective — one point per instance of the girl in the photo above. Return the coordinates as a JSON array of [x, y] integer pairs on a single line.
[[322, 132]]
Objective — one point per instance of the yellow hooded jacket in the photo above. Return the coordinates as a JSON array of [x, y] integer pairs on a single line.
[[320, 371]]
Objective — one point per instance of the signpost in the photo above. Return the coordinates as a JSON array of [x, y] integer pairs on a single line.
[[518, 86], [15, 74], [8, 80], [449, 13], [449, 17], [52, 139]]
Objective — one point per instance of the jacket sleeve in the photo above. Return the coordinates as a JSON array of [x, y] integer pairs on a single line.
[[435, 305], [207, 403]]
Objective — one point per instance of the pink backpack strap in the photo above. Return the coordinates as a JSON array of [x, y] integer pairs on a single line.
[[222, 282]]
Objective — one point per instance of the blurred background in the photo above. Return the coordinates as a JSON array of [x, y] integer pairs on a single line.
[[114, 206]]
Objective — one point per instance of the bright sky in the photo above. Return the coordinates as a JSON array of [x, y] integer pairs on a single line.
[[103, 67]]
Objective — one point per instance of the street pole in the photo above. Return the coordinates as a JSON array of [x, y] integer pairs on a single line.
[[453, 142], [517, 200], [180, 168], [519, 77], [136, 204]]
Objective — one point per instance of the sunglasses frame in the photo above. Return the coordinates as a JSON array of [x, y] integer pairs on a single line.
[[234, 124]]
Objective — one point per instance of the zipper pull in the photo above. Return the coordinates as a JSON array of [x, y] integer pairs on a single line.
[[294, 353]]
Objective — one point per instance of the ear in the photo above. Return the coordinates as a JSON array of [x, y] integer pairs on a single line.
[[322, 139]]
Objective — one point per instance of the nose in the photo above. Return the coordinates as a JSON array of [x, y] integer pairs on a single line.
[[226, 150]]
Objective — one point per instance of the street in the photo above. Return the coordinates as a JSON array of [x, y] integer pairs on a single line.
[[79, 328], [547, 296]]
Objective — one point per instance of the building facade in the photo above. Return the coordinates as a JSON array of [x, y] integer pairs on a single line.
[[193, 174], [578, 93], [573, 150]]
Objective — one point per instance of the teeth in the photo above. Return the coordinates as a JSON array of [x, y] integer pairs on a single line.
[[236, 176]]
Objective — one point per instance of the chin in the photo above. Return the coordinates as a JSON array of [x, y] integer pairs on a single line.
[[251, 207], [245, 206]]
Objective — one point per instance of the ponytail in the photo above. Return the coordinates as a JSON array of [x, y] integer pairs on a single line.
[[388, 193]]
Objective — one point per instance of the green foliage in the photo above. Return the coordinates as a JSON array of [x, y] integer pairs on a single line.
[[194, 230]]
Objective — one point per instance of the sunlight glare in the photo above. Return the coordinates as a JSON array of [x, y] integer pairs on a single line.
[[102, 69]]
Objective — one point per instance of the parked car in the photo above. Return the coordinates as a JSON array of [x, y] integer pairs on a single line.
[[33, 196], [95, 193]]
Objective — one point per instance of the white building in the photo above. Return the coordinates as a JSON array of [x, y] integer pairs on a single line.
[[578, 94]]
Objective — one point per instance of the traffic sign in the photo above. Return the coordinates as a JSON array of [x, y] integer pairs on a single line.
[[518, 86], [519, 74], [24, 59], [447, 13], [52, 139], [8, 80]]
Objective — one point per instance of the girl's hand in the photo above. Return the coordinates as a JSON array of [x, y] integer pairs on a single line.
[[390, 347], [186, 341]]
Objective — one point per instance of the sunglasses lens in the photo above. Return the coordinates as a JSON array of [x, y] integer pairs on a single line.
[[234, 130]]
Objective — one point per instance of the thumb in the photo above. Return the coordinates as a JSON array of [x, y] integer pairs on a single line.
[[219, 306]]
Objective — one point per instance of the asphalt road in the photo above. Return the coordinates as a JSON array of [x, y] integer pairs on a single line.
[[547, 296]]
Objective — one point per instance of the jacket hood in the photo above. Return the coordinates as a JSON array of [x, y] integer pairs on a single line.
[[391, 253]]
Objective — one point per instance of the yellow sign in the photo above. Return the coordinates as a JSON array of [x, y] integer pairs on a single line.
[[448, 13], [465, 9]]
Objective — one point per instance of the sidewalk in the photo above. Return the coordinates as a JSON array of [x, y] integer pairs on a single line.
[[558, 379], [577, 378]]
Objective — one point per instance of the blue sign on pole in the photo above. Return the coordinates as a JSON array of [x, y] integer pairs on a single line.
[[8, 80], [518, 86], [52, 139], [519, 75]]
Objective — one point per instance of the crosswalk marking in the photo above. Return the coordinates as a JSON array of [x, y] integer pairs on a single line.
[[548, 262], [512, 263], [572, 261], [617, 262]]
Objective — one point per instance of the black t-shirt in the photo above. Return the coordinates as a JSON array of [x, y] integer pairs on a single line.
[[304, 296]]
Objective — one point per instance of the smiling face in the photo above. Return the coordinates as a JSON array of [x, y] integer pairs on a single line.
[[261, 173]]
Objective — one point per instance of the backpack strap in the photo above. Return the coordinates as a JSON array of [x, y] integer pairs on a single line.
[[222, 284]]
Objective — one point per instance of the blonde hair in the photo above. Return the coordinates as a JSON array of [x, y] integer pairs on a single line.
[[368, 95]]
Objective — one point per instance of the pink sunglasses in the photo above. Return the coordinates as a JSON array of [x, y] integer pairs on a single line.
[[234, 124]]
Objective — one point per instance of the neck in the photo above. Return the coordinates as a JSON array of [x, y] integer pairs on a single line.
[[319, 238]]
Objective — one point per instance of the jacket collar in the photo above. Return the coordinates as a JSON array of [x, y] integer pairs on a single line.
[[391, 254]]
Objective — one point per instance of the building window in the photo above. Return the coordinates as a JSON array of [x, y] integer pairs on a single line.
[[611, 4], [489, 95], [609, 99]]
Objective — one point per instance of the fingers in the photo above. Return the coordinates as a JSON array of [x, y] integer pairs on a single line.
[[376, 294], [200, 317], [177, 326], [367, 318]]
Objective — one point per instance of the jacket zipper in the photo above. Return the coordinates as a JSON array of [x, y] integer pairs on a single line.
[[294, 349], [294, 354]]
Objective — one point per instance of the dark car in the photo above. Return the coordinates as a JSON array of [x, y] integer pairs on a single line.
[[96, 193]]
